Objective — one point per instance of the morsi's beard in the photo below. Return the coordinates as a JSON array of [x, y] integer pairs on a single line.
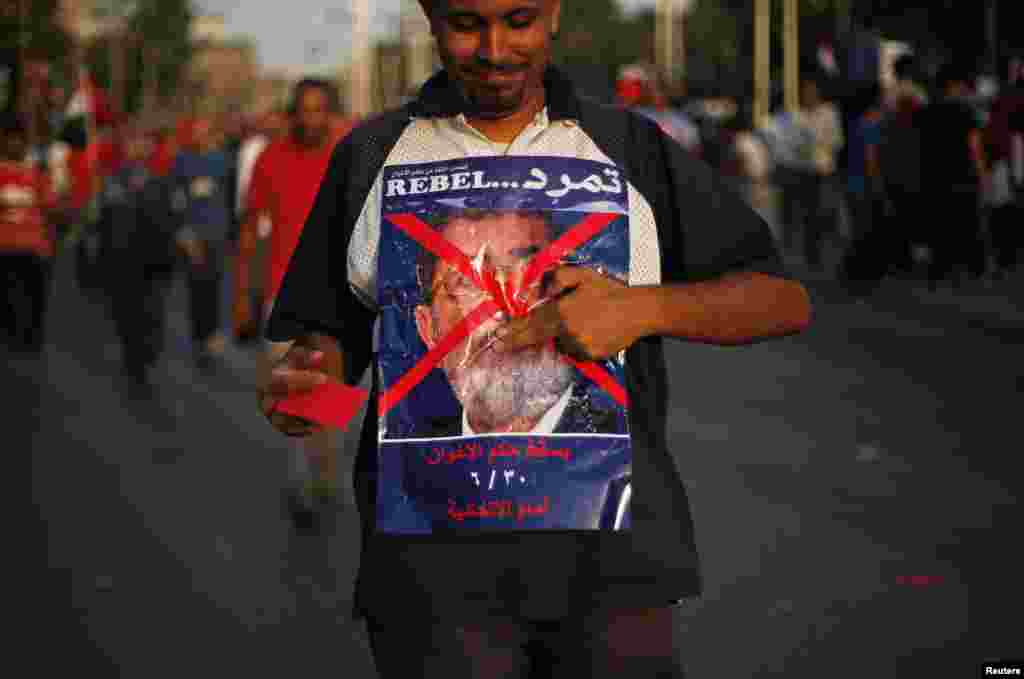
[[501, 390]]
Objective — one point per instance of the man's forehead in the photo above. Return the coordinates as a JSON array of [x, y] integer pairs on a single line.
[[430, 6]]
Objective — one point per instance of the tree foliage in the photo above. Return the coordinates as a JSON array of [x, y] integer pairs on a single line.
[[720, 35], [164, 27], [156, 44], [598, 34], [36, 30]]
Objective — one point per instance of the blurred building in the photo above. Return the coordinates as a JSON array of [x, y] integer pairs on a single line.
[[224, 69], [271, 91], [419, 56]]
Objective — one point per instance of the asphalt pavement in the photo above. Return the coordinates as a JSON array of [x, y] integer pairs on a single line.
[[849, 487]]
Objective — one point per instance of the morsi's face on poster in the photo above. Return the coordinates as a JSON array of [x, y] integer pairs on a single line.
[[499, 392]]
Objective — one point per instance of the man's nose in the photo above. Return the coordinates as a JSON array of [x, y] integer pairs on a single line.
[[493, 45]]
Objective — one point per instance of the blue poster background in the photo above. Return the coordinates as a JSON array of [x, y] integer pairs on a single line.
[[496, 482]]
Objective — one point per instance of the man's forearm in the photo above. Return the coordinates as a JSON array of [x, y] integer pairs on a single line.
[[246, 254], [735, 309]]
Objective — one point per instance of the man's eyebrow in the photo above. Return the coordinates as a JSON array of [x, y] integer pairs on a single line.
[[527, 6]]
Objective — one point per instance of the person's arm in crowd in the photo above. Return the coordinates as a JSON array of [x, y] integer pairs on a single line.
[[249, 231], [254, 208], [976, 144], [872, 164], [185, 237], [49, 206], [256, 204], [836, 129]]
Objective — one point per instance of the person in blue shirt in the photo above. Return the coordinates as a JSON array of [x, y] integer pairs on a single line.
[[201, 175]]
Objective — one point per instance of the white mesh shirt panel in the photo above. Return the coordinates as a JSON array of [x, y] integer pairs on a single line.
[[422, 141], [438, 140], [362, 249]]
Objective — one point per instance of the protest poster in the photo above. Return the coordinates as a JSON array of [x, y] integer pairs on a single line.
[[471, 438]]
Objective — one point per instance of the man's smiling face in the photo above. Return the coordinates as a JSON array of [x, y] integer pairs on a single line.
[[496, 50]]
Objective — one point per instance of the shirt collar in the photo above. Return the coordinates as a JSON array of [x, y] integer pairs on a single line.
[[440, 97]]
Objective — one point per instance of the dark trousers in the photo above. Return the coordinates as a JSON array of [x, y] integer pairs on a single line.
[[806, 212], [139, 309], [204, 296], [26, 292], [955, 236], [1007, 229], [868, 258], [904, 223], [635, 644]]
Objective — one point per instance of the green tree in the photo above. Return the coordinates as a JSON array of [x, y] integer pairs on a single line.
[[597, 34], [163, 28], [157, 44], [714, 35], [36, 30], [720, 36]]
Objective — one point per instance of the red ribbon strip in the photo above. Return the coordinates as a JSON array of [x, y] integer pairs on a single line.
[[332, 404]]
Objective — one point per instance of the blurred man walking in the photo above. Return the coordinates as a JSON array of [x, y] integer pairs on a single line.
[[284, 185], [138, 224]]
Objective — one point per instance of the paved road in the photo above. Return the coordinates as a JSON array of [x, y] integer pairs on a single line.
[[823, 470]]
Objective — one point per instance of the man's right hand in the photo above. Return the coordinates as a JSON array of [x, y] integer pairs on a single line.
[[299, 372]]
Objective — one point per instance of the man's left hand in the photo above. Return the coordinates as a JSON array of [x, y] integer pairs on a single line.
[[590, 317]]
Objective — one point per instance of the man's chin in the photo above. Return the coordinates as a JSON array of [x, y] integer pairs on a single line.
[[494, 106]]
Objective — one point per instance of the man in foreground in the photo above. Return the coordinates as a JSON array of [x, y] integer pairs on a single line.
[[702, 267]]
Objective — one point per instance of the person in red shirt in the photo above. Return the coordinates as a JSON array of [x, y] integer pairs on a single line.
[[284, 185], [27, 239], [165, 148], [287, 176]]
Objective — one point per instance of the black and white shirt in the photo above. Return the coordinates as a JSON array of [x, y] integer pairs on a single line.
[[686, 225]]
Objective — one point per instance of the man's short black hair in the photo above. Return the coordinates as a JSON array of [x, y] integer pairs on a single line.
[[426, 261], [325, 86]]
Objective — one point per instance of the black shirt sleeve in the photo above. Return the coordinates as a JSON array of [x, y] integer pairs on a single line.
[[315, 295]]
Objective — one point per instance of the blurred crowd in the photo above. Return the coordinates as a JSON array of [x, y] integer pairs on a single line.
[[922, 179], [133, 202]]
